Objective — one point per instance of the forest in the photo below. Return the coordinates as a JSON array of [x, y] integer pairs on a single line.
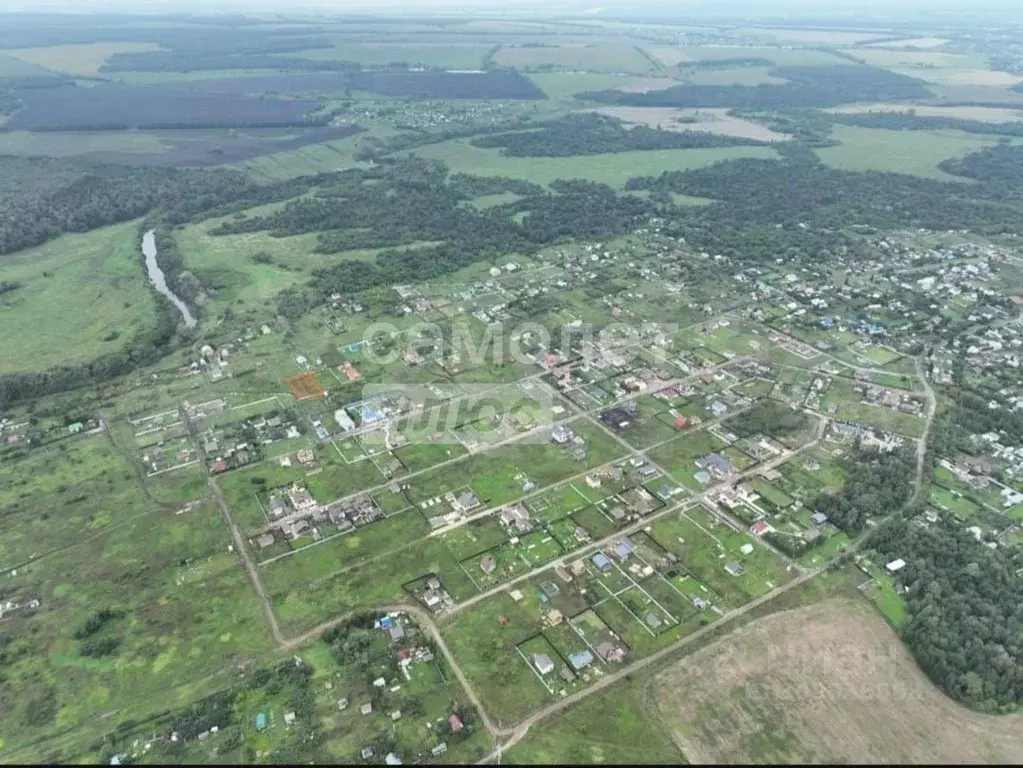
[[876, 484], [965, 623], [1000, 166], [910, 121], [808, 86], [592, 134], [802, 190]]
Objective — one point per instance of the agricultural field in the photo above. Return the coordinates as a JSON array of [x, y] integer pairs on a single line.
[[983, 114], [682, 55], [707, 120], [85, 59], [110, 106], [827, 683], [98, 281], [598, 57]]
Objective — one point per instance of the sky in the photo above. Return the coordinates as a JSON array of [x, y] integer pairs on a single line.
[[867, 10]]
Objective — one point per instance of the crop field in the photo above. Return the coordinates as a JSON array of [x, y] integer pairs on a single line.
[[915, 152], [448, 85], [111, 106], [811, 37], [595, 57], [443, 55], [12, 66], [925, 60], [98, 282], [672, 56], [708, 120], [84, 59], [827, 683], [970, 77], [982, 114], [612, 169]]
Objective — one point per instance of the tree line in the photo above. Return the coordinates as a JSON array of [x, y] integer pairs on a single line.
[[592, 134], [965, 625], [807, 86]]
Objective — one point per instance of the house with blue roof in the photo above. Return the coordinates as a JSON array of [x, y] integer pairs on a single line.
[[580, 660], [602, 562]]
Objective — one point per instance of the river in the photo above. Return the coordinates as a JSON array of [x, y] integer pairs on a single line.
[[158, 280]]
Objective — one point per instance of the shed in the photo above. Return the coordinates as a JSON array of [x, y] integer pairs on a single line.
[[895, 565], [392, 759]]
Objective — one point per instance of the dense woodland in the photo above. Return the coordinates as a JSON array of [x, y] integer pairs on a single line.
[[910, 121], [808, 86], [591, 134], [965, 623], [876, 484], [802, 190]]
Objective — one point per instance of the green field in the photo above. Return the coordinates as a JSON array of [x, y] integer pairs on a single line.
[[913, 152], [311, 159], [67, 144], [672, 55], [612, 169], [84, 59], [442, 55], [594, 57], [563, 85], [80, 296]]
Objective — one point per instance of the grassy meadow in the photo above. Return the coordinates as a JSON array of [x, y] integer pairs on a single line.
[[81, 296]]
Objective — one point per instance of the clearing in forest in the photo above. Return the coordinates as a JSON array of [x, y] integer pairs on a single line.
[[707, 121], [826, 683]]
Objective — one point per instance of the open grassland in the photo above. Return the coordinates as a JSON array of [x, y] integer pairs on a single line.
[[612, 169], [982, 114], [313, 158], [673, 55], [68, 144], [602, 729], [564, 85], [84, 59], [79, 296], [971, 77], [593, 57], [226, 262], [708, 121], [12, 66], [914, 152], [827, 683]]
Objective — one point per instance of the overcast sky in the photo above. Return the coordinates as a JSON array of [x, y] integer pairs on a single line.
[[865, 9]]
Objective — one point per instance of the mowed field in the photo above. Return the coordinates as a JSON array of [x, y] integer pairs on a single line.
[[983, 114], [826, 683], [708, 121], [673, 55], [597, 57], [611, 169], [914, 152], [80, 296], [85, 59]]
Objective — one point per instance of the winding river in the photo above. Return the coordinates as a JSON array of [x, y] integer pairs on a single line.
[[156, 277]]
